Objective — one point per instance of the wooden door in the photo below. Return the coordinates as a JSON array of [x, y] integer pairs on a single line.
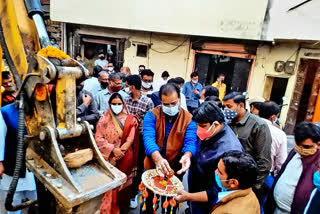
[[303, 102], [296, 97]]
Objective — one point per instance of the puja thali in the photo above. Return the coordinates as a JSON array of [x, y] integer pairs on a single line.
[[161, 186]]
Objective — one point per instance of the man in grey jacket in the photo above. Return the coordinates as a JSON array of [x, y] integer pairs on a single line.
[[253, 134]]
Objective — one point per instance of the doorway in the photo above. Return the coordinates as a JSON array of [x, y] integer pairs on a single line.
[[236, 70], [305, 93], [275, 89], [112, 47]]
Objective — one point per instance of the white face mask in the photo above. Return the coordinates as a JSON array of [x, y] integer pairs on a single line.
[[171, 111], [127, 90], [195, 81], [117, 109], [146, 85], [201, 101], [110, 68]]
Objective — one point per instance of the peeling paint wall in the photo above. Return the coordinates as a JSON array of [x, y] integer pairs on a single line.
[[264, 67], [176, 58], [265, 62]]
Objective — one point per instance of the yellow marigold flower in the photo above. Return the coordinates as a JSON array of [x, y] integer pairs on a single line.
[[53, 52]]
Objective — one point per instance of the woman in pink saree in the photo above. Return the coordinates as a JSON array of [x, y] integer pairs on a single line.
[[117, 139]]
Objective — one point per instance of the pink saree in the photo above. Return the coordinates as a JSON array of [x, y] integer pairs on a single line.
[[112, 132]]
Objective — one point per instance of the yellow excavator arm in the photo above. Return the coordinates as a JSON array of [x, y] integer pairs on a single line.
[[50, 117]]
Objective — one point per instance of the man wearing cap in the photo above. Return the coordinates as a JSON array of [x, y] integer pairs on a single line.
[[255, 104]]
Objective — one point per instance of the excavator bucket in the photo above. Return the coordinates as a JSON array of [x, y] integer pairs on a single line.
[[55, 140]]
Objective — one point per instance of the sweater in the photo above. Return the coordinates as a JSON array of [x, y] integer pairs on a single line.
[[175, 139]]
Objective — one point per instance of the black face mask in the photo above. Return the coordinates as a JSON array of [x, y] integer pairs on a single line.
[[222, 81], [101, 57], [104, 85]]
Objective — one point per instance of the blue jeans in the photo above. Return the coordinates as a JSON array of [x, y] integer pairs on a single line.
[[268, 182]]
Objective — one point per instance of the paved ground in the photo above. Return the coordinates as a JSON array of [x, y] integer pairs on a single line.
[[136, 211]]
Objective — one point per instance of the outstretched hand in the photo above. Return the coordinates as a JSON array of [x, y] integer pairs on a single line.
[[185, 162], [181, 196]]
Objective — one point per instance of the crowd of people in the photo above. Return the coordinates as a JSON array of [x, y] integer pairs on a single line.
[[237, 159]]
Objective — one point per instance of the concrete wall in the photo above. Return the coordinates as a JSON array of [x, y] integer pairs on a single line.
[[176, 55], [264, 67], [215, 18]]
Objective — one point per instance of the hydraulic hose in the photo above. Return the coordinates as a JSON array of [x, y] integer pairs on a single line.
[[19, 161]]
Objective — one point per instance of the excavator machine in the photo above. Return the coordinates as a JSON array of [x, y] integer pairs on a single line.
[[50, 116]]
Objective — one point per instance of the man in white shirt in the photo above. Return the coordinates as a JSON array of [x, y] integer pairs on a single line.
[[102, 62], [294, 182], [269, 112], [96, 83], [114, 85], [162, 81]]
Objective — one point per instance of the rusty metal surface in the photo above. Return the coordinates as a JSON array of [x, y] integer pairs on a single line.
[[93, 182]]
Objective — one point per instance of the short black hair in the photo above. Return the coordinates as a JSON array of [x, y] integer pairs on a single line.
[[194, 74], [165, 74], [208, 112], [257, 105], [169, 88], [113, 96], [78, 55], [142, 66], [306, 130], [134, 80], [240, 166], [210, 91], [221, 75], [5, 75], [96, 70], [115, 76], [173, 80], [180, 80], [146, 72], [268, 108], [237, 97], [214, 99]]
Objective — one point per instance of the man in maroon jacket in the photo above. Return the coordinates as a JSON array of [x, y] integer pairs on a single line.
[[294, 182]]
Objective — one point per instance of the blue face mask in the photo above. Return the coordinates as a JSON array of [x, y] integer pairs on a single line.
[[230, 114], [218, 181], [316, 180], [171, 111]]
